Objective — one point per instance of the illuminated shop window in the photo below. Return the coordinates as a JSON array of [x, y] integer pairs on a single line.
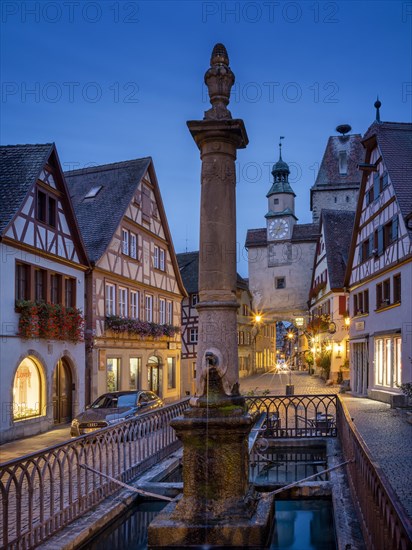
[[27, 390]]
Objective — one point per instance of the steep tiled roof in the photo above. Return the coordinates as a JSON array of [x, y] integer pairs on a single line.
[[20, 166], [189, 270], [305, 232], [337, 228], [329, 169], [256, 237], [99, 217], [301, 232], [395, 142]]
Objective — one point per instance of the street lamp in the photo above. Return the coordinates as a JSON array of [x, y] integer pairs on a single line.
[[289, 387], [257, 318]]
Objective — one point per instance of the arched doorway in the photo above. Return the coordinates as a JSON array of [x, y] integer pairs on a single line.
[[62, 392], [154, 375]]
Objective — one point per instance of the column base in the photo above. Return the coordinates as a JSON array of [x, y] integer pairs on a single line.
[[248, 532]]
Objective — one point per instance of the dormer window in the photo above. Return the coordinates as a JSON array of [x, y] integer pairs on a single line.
[[343, 163], [94, 191]]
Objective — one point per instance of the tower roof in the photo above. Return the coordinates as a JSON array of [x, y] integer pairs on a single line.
[[280, 172]]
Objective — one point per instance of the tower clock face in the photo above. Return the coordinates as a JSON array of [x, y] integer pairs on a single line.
[[278, 229]]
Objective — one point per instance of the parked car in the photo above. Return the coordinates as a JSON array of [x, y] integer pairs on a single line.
[[111, 408]]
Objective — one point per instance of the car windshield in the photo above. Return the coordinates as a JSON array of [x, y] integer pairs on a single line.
[[128, 400], [105, 402], [114, 401]]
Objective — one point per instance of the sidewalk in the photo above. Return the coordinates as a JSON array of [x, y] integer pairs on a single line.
[[388, 437], [21, 447]]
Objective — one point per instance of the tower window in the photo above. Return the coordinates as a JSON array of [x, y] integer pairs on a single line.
[[275, 201], [343, 163], [280, 282]]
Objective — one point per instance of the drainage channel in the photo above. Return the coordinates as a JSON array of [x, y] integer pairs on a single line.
[[301, 522]]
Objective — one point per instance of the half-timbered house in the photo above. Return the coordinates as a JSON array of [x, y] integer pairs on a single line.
[[42, 273], [327, 330], [189, 269], [134, 289], [379, 273]]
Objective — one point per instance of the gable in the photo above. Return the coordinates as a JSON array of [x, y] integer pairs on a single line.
[[381, 238], [44, 220]]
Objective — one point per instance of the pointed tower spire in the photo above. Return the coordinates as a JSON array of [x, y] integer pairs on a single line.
[[377, 106], [280, 146]]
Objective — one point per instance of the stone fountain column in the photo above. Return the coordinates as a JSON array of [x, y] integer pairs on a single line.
[[218, 506]]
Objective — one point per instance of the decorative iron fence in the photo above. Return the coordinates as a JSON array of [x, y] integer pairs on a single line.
[[295, 415], [43, 492], [385, 524]]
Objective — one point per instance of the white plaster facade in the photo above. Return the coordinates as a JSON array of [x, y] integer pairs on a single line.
[[380, 269]]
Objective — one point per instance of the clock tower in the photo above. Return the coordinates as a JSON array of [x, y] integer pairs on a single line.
[[280, 217]]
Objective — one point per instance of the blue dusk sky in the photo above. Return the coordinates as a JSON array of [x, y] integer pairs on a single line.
[[112, 81]]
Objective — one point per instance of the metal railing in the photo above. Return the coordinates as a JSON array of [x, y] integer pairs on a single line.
[[43, 492], [295, 415], [384, 522]]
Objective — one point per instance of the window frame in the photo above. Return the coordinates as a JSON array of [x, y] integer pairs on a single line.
[[122, 297], [134, 304], [162, 311], [149, 308], [193, 335], [110, 298]]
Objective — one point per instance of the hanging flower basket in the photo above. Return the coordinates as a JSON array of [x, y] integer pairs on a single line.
[[144, 329], [49, 321], [314, 291], [318, 324]]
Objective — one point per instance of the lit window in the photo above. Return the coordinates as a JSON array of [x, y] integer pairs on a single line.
[[112, 373], [135, 371], [27, 391], [171, 373]]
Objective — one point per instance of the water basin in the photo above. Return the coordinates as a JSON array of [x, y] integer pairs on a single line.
[[299, 525]]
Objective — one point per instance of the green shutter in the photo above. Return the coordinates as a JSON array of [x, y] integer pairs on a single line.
[[376, 186], [380, 240], [395, 228]]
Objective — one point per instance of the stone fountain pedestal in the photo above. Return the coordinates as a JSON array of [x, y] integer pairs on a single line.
[[218, 507]]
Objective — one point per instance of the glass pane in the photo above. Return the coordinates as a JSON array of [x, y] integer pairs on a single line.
[[135, 366], [112, 367], [26, 390]]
